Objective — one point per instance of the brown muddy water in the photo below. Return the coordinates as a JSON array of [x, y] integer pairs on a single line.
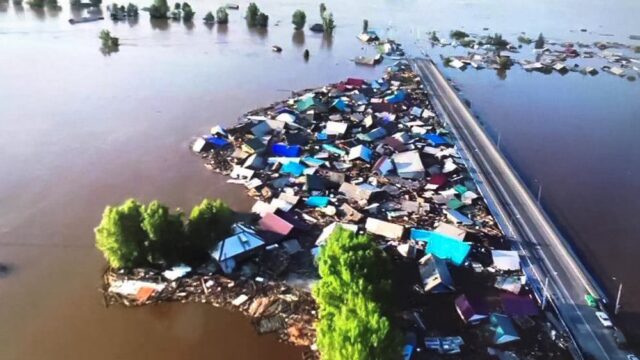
[[80, 130]]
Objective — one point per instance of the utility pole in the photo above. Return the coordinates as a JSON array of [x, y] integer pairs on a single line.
[[544, 293], [618, 299], [539, 192]]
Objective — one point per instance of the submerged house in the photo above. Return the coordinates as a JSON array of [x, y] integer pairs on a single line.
[[435, 275], [503, 328], [241, 244], [409, 165]]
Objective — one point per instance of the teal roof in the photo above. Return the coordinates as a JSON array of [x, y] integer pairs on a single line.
[[504, 329], [443, 246], [307, 103]]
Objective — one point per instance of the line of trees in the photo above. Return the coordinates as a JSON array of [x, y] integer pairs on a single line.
[[354, 297], [135, 235]]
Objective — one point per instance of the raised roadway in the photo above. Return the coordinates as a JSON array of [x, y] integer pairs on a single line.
[[545, 252]]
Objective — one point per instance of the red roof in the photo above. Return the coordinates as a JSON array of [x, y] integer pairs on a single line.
[[274, 224], [353, 82], [438, 179]]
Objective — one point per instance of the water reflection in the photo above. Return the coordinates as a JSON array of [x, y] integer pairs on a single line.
[[108, 50], [189, 25], [327, 41], [260, 32], [18, 8], [38, 12], [4, 6], [132, 21], [209, 25], [223, 29], [502, 74], [298, 38], [159, 24]]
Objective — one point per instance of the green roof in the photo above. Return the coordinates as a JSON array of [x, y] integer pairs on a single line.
[[461, 189], [307, 103], [455, 204]]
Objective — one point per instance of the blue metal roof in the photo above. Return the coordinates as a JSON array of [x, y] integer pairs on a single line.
[[443, 246]]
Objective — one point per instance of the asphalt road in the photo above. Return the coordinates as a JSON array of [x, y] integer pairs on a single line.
[[541, 245]]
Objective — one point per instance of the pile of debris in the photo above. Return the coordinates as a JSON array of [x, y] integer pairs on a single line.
[[373, 157], [274, 307], [549, 58]]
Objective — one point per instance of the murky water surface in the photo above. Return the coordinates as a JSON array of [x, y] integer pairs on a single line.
[[79, 130]]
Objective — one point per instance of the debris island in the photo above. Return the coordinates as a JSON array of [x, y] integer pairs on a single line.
[[371, 157]]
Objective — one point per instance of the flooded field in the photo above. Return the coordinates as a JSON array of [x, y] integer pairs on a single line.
[[80, 130]]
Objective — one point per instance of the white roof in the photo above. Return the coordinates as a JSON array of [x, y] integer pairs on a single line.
[[506, 260], [336, 128], [408, 163], [450, 230], [383, 228], [327, 231]]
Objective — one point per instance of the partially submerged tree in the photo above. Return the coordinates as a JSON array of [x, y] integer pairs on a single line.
[[159, 9], [96, 2], [252, 14], [38, 4], [365, 25], [523, 39], [187, 12], [132, 10], [208, 223], [75, 4], [222, 15], [328, 23], [323, 9], [458, 34], [497, 41], [298, 19], [262, 20], [165, 233], [209, 18], [539, 42], [353, 297], [120, 235], [108, 40]]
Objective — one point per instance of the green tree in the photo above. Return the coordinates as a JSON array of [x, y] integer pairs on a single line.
[[524, 39], [132, 10], [120, 235], [458, 34], [75, 3], [328, 23], [252, 14], [222, 15], [353, 297], [39, 4], [323, 9], [209, 18], [539, 42], [96, 2], [187, 12], [262, 20], [208, 223], [159, 9], [298, 19], [165, 234], [108, 41], [365, 25], [176, 6]]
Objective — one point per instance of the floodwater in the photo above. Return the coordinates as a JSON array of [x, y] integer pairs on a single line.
[[80, 130]]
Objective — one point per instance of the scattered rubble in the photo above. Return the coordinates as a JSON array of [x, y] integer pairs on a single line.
[[551, 57]]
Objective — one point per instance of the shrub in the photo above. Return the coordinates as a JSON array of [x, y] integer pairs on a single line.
[[187, 12], [132, 10], [222, 15], [524, 39], [262, 20], [298, 19], [208, 223], [328, 23], [252, 14], [209, 18], [159, 9], [458, 34]]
